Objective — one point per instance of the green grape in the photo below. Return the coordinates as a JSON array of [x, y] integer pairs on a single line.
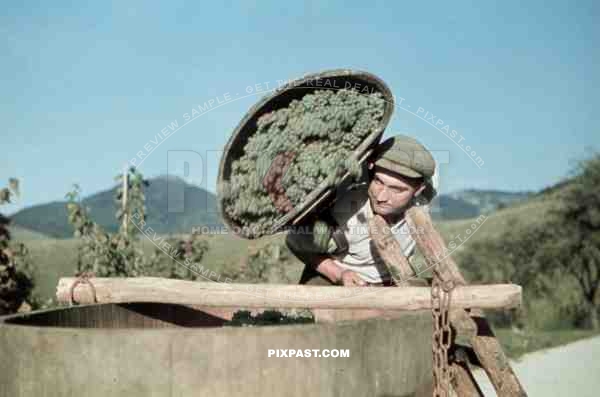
[[322, 129]]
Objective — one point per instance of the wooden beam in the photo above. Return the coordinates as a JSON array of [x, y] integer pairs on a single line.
[[462, 323], [432, 245], [152, 289], [389, 249], [485, 344], [463, 381]]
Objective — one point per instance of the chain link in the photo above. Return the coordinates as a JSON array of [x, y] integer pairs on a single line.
[[441, 295]]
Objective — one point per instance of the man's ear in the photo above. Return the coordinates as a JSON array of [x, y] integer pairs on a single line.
[[370, 165], [420, 189]]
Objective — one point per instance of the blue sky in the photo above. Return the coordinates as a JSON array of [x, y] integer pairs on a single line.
[[86, 86]]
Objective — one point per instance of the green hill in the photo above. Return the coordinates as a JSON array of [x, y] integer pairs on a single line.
[[494, 224], [471, 203], [490, 200], [19, 233]]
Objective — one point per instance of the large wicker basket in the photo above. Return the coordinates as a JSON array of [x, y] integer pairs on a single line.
[[280, 98]]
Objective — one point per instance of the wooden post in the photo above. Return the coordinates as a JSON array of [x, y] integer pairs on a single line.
[[486, 346], [124, 199]]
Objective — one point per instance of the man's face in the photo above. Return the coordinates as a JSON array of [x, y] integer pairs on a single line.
[[389, 193]]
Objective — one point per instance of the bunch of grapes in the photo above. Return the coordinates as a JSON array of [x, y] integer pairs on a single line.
[[322, 130]]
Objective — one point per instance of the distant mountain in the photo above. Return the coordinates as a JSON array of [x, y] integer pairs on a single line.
[[472, 202], [491, 200], [190, 206], [445, 207], [172, 206]]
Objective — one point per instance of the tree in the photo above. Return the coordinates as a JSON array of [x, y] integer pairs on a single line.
[[563, 247], [118, 255], [16, 275], [130, 200], [261, 263], [190, 251], [103, 253], [512, 257], [575, 248]]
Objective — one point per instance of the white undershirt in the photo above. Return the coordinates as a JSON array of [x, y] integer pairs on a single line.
[[351, 213]]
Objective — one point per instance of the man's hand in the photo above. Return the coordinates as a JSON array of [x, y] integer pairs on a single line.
[[352, 279], [330, 268]]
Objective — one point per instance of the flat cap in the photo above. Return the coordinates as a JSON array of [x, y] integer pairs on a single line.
[[405, 156]]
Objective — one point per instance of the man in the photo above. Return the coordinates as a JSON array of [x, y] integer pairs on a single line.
[[400, 174]]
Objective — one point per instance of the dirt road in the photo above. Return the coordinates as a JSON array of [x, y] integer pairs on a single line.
[[570, 370]]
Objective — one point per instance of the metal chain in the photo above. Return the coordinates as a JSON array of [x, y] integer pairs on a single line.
[[441, 295]]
